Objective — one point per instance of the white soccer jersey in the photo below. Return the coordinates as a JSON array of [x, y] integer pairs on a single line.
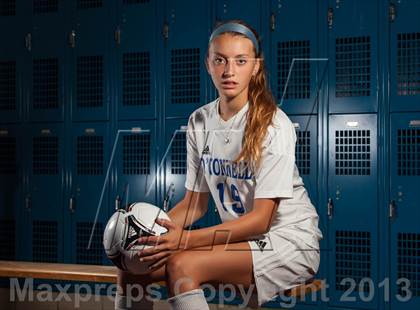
[[234, 187]]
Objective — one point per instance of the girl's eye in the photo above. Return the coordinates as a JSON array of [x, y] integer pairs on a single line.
[[218, 61], [241, 61]]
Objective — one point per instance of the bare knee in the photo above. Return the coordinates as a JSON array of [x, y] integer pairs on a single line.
[[126, 280], [181, 274]]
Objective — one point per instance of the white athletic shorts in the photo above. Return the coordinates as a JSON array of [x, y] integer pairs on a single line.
[[281, 265]]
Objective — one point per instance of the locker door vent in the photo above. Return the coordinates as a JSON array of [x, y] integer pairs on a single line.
[[7, 240], [45, 156], [89, 4], [94, 255], [179, 154], [126, 2], [90, 155], [409, 263], [7, 85], [303, 152], [408, 148], [352, 67], [408, 64], [8, 155], [185, 75], [136, 79], [45, 83], [90, 81], [299, 86], [7, 7], [352, 258], [136, 154], [45, 6], [352, 152], [45, 241]]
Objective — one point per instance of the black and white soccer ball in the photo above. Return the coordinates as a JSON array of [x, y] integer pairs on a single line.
[[124, 228]]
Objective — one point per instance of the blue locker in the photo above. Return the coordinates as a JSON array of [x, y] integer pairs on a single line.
[[353, 54], [46, 73], [185, 75], [296, 70], [15, 35], [135, 163], [137, 59], [249, 11], [176, 168], [405, 56], [91, 36], [353, 211], [10, 192], [44, 159], [89, 153], [404, 225]]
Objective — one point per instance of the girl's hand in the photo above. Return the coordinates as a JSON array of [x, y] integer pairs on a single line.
[[163, 246]]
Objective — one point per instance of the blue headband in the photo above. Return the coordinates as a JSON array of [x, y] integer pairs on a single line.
[[239, 28]]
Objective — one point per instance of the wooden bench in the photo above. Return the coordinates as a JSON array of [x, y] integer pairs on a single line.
[[100, 274]]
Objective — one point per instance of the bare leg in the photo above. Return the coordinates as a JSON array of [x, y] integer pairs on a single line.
[[222, 264]]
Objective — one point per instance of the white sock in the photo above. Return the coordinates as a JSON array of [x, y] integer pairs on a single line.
[[191, 300], [124, 303]]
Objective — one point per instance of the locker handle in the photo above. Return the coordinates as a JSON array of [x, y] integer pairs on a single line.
[[28, 41], [72, 39], [72, 205], [273, 22], [165, 31], [117, 35], [330, 17], [330, 208], [392, 209], [28, 203], [118, 202]]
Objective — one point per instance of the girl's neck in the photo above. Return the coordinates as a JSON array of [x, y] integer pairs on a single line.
[[228, 107]]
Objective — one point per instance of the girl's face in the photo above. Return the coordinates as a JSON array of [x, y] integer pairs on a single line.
[[231, 63]]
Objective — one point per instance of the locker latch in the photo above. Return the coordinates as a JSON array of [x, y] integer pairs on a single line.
[[392, 12], [330, 208], [392, 209], [330, 17]]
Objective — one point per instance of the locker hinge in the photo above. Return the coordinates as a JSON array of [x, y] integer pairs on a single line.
[[117, 35], [165, 31], [392, 12], [330, 17], [392, 209], [330, 208], [28, 41], [72, 39], [273, 22]]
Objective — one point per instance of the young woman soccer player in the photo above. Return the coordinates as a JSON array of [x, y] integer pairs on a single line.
[[241, 149]]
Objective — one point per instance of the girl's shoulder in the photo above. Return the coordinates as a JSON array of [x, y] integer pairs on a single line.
[[201, 114], [281, 132]]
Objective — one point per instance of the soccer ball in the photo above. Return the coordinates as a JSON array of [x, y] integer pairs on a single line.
[[124, 228]]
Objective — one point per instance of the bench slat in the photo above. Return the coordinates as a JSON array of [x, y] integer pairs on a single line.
[[70, 272], [98, 273]]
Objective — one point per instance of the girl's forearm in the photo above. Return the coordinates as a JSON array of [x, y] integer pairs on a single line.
[[228, 232]]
